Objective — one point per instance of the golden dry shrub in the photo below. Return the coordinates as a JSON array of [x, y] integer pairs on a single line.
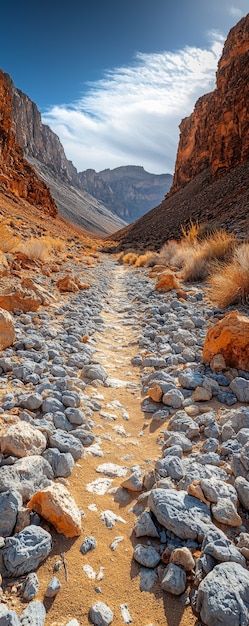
[[230, 285], [206, 255], [35, 248], [148, 259], [176, 253], [129, 258]]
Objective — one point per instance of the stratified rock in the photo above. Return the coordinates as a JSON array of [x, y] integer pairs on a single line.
[[27, 475], [22, 440], [24, 552], [56, 505], [223, 596], [7, 329], [229, 337]]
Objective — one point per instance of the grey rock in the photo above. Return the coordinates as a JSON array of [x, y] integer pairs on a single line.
[[223, 596], [83, 435], [30, 587], [125, 614], [94, 372], [173, 398], [242, 486], [212, 431], [51, 405], [147, 556], [100, 614], [240, 418], [179, 439], [24, 552], [237, 466], [134, 482], [148, 577], [184, 515], [170, 466], [66, 442], [222, 550], [34, 614], [225, 512], [53, 587], [174, 580], [190, 379], [243, 436], [144, 526], [213, 488], [32, 402], [62, 463], [75, 416], [173, 451], [240, 388], [10, 501], [71, 399], [8, 617], [211, 445], [229, 447], [27, 476], [244, 452], [61, 422], [73, 622], [88, 544], [181, 422]]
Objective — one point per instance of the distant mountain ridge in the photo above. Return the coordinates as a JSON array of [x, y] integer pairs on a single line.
[[129, 190]]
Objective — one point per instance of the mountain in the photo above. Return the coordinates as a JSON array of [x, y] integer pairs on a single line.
[[128, 191], [211, 178], [18, 179], [45, 153]]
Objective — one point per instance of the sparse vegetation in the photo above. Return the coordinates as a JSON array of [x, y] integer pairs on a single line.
[[218, 248], [41, 248], [230, 285], [8, 240]]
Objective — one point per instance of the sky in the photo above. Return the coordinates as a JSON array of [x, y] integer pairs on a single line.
[[114, 78]]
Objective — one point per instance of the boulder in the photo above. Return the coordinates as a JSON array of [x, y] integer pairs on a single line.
[[24, 552], [22, 440], [167, 281], [27, 475], [19, 298], [223, 596], [7, 330], [229, 337], [56, 505], [185, 516]]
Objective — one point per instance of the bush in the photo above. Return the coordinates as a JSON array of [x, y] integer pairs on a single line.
[[205, 255], [230, 285]]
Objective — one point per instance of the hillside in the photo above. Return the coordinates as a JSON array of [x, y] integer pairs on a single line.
[[211, 172]]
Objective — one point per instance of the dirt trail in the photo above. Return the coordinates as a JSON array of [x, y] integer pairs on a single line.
[[115, 346]]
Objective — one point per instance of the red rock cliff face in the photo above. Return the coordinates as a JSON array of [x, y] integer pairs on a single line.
[[17, 177], [216, 135]]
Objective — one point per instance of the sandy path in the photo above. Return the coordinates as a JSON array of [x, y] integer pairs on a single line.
[[115, 346]]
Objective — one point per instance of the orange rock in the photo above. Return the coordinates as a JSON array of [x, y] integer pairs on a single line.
[[155, 393], [7, 330], [58, 507], [230, 338], [167, 282], [18, 298], [67, 283], [4, 266], [194, 489]]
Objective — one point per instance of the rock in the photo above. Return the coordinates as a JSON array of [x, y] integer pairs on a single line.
[[223, 596], [167, 281], [24, 552], [174, 580], [94, 372], [22, 440], [66, 442], [229, 337], [27, 475], [170, 466], [62, 463], [155, 392], [225, 512], [125, 614], [75, 416], [67, 283], [111, 469], [218, 363], [173, 398], [88, 544], [56, 505], [213, 489], [19, 298], [222, 550], [34, 614], [242, 486], [30, 587], [109, 518], [184, 558], [189, 379], [147, 556], [184, 515], [100, 614], [53, 588], [9, 503], [240, 387], [144, 526], [31, 402], [201, 394], [134, 482], [8, 617], [7, 330]]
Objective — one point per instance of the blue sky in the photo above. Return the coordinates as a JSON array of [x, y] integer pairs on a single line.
[[114, 78]]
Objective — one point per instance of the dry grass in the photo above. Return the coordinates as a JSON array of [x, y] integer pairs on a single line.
[[175, 254], [205, 256], [42, 248], [148, 259], [230, 285], [129, 258]]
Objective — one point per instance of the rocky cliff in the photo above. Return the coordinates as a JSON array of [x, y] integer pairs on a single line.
[[211, 179], [17, 177], [129, 191], [216, 134]]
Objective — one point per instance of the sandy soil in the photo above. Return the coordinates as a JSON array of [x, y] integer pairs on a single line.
[[120, 584]]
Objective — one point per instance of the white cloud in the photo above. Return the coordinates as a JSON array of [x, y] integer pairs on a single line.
[[131, 116], [235, 12]]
